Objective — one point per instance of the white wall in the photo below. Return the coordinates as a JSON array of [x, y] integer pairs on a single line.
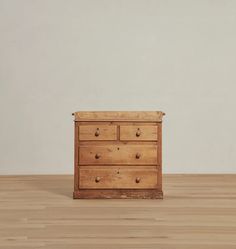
[[57, 57]]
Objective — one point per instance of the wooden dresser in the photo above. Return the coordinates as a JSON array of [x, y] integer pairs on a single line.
[[118, 155]]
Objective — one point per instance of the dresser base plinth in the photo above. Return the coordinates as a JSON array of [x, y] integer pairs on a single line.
[[118, 194]]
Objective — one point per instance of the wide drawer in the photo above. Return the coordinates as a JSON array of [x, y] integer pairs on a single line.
[[118, 154], [138, 133], [114, 177], [97, 132]]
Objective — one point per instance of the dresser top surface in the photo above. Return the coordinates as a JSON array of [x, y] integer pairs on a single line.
[[152, 116]]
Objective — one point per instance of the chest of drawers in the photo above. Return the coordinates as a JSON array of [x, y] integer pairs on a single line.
[[118, 155]]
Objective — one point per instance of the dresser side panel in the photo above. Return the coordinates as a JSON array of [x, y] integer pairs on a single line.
[[159, 155], [76, 156]]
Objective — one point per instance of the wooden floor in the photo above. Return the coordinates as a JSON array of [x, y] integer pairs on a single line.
[[198, 211]]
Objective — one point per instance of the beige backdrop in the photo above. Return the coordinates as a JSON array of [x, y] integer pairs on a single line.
[[57, 57]]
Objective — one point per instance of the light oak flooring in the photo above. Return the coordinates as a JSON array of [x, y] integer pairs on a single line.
[[198, 211]]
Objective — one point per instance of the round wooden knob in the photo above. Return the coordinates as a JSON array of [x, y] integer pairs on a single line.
[[138, 179], [97, 179], [138, 155], [97, 156], [97, 132], [138, 133]]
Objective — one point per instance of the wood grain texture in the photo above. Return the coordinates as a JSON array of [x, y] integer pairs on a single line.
[[155, 116], [98, 132], [116, 177], [118, 154], [138, 132], [197, 212]]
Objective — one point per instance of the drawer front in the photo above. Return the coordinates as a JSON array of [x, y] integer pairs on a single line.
[[118, 154], [114, 177], [138, 133], [97, 132]]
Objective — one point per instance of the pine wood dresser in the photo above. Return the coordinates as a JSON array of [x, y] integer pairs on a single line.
[[118, 154]]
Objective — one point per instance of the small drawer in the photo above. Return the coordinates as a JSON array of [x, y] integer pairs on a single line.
[[118, 154], [97, 132], [114, 177], [138, 133]]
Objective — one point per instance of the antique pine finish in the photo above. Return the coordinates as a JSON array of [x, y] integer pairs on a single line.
[[118, 155]]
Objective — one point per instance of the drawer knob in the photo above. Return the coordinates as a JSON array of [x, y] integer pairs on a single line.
[[138, 179], [97, 179], [138, 133], [97, 156], [138, 155], [97, 132]]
